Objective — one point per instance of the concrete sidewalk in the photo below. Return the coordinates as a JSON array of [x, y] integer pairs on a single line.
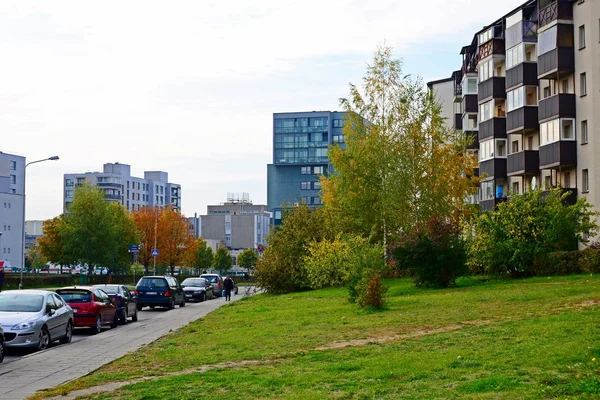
[[46, 369]]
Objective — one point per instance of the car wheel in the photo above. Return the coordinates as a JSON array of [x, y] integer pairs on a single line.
[[152, 307], [124, 316], [44, 342], [68, 334], [134, 318], [203, 297], [1, 351], [115, 321], [139, 307], [171, 304], [98, 327], [182, 304]]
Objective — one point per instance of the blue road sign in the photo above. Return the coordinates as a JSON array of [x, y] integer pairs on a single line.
[[134, 247], [154, 252]]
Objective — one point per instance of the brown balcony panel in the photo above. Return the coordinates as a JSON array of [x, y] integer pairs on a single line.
[[490, 205], [522, 119], [469, 103], [493, 88], [495, 127], [561, 153], [496, 168], [494, 46], [524, 74], [557, 106], [561, 59], [555, 10], [524, 162], [458, 122]]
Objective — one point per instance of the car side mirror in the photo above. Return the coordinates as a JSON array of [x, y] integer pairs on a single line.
[[50, 311]]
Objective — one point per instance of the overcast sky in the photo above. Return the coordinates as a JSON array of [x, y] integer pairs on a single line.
[[189, 87]]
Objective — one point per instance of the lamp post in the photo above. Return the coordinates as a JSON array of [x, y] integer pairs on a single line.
[[53, 158]]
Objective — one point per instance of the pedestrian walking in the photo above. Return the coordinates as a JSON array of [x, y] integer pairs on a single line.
[[228, 286], [1, 277]]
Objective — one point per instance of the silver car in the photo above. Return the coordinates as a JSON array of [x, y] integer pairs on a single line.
[[34, 318], [1, 345]]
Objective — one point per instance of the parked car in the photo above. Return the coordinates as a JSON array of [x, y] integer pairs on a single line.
[[35, 318], [125, 300], [1, 344], [217, 283], [92, 308], [197, 289], [162, 291]]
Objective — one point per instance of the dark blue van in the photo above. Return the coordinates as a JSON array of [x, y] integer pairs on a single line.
[[161, 291]]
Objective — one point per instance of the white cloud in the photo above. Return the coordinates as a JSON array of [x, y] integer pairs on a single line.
[[185, 85]]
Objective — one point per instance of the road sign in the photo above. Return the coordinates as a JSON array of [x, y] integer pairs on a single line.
[[260, 248], [134, 247], [154, 252]]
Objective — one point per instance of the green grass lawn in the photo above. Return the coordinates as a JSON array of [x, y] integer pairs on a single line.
[[533, 338]]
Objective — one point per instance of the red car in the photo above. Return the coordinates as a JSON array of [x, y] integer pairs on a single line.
[[92, 307]]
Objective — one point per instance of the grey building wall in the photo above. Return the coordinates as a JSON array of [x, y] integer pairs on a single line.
[[12, 167], [11, 224]]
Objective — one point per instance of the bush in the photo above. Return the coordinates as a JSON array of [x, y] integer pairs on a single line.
[[557, 263], [589, 260], [434, 256], [328, 263], [370, 289], [365, 281]]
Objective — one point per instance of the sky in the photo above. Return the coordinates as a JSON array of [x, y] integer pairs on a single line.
[[189, 87]]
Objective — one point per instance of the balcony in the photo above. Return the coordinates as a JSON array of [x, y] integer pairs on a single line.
[[475, 140], [458, 125], [469, 103], [557, 106], [522, 119], [554, 10], [494, 46], [524, 31], [490, 205], [112, 197], [571, 198], [561, 60], [493, 88], [494, 168], [558, 154], [495, 127], [109, 185], [524, 74], [523, 163]]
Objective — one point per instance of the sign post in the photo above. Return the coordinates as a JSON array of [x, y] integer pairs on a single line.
[[154, 255], [134, 249]]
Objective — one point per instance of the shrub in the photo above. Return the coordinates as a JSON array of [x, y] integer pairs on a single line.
[[365, 281], [370, 289], [589, 260], [328, 263], [434, 256], [557, 263]]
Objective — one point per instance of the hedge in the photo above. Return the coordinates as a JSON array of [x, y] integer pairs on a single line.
[[567, 262]]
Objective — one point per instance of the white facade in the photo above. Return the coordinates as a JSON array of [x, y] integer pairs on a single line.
[[12, 187]]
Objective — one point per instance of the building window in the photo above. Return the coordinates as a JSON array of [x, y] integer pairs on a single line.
[[584, 132], [337, 123], [514, 56], [549, 132], [585, 182], [304, 185], [227, 225], [317, 185], [581, 37], [69, 182], [486, 111], [337, 139], [13, 191], [318, 170], [306, 200], [316, 201], [567, 180], [13, 165], [582, 84], [515, 188], [69, 194], [305, 170], [13, 179]]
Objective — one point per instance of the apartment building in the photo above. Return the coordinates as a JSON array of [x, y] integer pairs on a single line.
[[301, 142], [154, 189], [12, 188], [526, 94]]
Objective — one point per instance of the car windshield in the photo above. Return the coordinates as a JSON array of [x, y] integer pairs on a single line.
[[153, 282], [21, 302], [193, 282], [75, 296], [110, 289], [212, 279]]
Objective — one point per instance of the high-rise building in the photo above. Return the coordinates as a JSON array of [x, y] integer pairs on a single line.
[[12, 188], [118, 185], [300, 155], [527, 90]]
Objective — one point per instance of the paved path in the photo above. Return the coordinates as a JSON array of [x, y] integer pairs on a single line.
[[46, 369]]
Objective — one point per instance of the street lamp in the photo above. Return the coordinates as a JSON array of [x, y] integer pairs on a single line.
[[53, 158]]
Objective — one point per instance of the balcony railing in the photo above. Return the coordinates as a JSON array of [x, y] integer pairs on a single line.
[[557, 9], [496, 168], [490, 204], [524, 74], [494, 88], [112, 197], [571, 198], [561, 59], [109, 184], [494, 46], [469, 103], [495, 127], [524, 162], [557, 106], [522, 119], [561, 153]]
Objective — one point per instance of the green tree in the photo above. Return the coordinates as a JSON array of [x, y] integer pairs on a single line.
[[89, 234], [247, 259], [51, 244], [126, 234], [530, 225], [203, 257], [400, 166], [223, 259], [34, 258]]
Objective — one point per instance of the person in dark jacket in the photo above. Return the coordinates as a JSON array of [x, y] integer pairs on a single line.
[[1, 277], [228, 287]]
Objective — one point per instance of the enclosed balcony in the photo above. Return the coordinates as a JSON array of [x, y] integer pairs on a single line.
[[522, 119], [493, 88], [495, 167], [556, 55], [558, 154], [469, 103], [557, 106], [491, 204], [523, 163], [492, 128], [458, 125], [474, 140], [554, 10], [523, 74]]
